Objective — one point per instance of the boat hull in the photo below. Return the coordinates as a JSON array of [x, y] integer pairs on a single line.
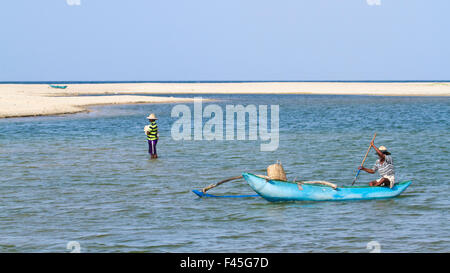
[[276, 191]]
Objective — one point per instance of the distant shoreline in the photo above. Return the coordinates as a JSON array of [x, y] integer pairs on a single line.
[[29, 99]]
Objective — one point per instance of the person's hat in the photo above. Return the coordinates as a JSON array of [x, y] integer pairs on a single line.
[[152, 116], [384, 150]]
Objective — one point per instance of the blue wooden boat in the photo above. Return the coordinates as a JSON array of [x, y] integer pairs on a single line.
[[275, 190], [58, 86]]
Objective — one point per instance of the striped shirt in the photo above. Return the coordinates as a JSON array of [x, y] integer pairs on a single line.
[[385, 169], [152, 133]]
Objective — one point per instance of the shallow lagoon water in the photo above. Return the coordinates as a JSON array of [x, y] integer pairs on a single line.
[[87, 178]]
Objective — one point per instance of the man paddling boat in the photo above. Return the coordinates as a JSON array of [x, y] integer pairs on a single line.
[[151, 131], [385, 167]]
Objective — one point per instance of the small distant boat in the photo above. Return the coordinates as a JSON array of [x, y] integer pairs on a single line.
[[58, 86], [275, 190]]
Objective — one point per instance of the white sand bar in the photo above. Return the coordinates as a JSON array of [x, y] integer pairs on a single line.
[[18, 100]]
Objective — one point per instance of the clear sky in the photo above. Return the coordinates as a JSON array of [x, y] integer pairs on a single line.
[[184, 40]]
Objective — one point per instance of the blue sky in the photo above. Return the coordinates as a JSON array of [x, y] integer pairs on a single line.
[[167, 40]]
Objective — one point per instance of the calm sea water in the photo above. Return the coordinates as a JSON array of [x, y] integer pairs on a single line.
[[87, 178]]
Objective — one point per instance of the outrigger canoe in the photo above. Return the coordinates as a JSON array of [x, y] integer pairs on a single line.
[[275, 190]]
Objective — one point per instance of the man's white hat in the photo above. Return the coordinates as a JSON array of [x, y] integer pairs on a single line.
[[384, 150]]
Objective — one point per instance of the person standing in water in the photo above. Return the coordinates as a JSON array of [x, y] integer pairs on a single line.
[[385, 167], [152, 135]]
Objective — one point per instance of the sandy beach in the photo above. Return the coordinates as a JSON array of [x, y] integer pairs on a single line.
[[19, 100]]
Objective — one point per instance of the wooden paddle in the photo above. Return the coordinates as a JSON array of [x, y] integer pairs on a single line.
[[362, 163]]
